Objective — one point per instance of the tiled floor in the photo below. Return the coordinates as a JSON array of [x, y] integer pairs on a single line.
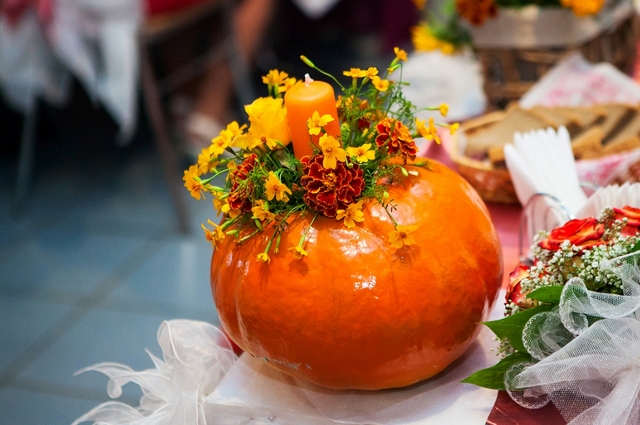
[[88, 271]]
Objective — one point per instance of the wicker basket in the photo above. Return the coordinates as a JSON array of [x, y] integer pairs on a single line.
[[510, 72], [492, 184]]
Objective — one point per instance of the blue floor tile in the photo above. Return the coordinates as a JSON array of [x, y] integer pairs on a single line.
[[22, 323], [100, 336], [22, 407], [54, 259], [174, 281]]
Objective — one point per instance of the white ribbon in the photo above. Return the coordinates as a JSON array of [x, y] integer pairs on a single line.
[[196, 356]]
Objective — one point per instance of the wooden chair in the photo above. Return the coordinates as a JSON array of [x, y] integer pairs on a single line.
[[155, 88]]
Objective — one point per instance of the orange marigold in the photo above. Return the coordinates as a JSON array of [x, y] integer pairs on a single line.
[[476, 11], [396, 137], [328, 190]]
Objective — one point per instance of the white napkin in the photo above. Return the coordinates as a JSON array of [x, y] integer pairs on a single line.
[[541, 161]]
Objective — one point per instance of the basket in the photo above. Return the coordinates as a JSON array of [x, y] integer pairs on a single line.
[[511, 65], [492, 184]]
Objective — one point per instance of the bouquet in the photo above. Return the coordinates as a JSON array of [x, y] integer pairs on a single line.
[[571, 332], [327, 163]]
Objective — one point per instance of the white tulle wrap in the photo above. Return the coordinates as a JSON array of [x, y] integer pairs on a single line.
[[588, 350], [196, 357]]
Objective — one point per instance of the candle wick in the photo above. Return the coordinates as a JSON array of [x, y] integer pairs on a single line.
[[307, 80]]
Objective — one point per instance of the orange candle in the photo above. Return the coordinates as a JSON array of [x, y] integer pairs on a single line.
[[301, 101]]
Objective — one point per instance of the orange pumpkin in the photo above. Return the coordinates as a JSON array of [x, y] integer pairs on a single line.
[[356, 313]]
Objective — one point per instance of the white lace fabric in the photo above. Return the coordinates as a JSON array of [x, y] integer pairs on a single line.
[[196, 356], [588, 351]]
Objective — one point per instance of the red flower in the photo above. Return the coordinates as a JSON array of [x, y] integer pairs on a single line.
[[633, 219], [328, 190], [514, 290], [583, 233], [240, 189], [396, 137], [476, 11]]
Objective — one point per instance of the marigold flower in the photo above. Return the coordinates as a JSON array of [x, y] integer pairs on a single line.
[[453, 128], [275, 188], [401, 236], [419, 4], [219, 144], [582, 8], [362, 153], [401, 55], [275, 78], [263, 257], [352, 214], [261, 211], [444, 109], [476, 11], [215, 235], [241, 188], [205, 162], [379, 83], [396, 137], [371, 72], [328, 190], [355, 73], [192, 182], [430, 132], [331, 151], [288, 83], [317, 122], [298, 252]]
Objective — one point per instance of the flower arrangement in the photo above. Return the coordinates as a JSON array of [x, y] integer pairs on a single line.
[[568, 312], [258, 178], [443, 30]]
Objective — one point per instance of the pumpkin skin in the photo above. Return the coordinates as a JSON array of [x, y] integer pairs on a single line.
[[356, 313]]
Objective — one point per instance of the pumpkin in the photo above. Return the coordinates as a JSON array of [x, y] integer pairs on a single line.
[[357, 313]]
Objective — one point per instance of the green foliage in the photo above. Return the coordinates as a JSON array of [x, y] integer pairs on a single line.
[[510, 327], [493, 377]]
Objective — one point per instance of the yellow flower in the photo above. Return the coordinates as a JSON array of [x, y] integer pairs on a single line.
[[205, 162], [316, 122], [444, 109], [218, 203], [453, 128], [263, 257], [362, 153], [274, 188], [288, 83], [192, 182], [352, 214], [371, 72], [261, 211], [274, 78], [379, 83], [219, 144], [424, 41], [298, 252], [268, 118], [355, 73], [429, 133], [582, 8], [401, 55], [332, 151], [401, 236], [214, 236]]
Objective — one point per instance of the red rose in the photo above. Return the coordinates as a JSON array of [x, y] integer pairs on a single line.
[[583, 233], [514, 291], [633, 219]]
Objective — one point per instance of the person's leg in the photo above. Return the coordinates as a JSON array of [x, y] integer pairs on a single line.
[[216, 89]]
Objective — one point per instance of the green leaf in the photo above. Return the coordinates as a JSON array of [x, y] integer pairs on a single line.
[[511, 327], [547, 294], [635, 248], [493, 377]]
